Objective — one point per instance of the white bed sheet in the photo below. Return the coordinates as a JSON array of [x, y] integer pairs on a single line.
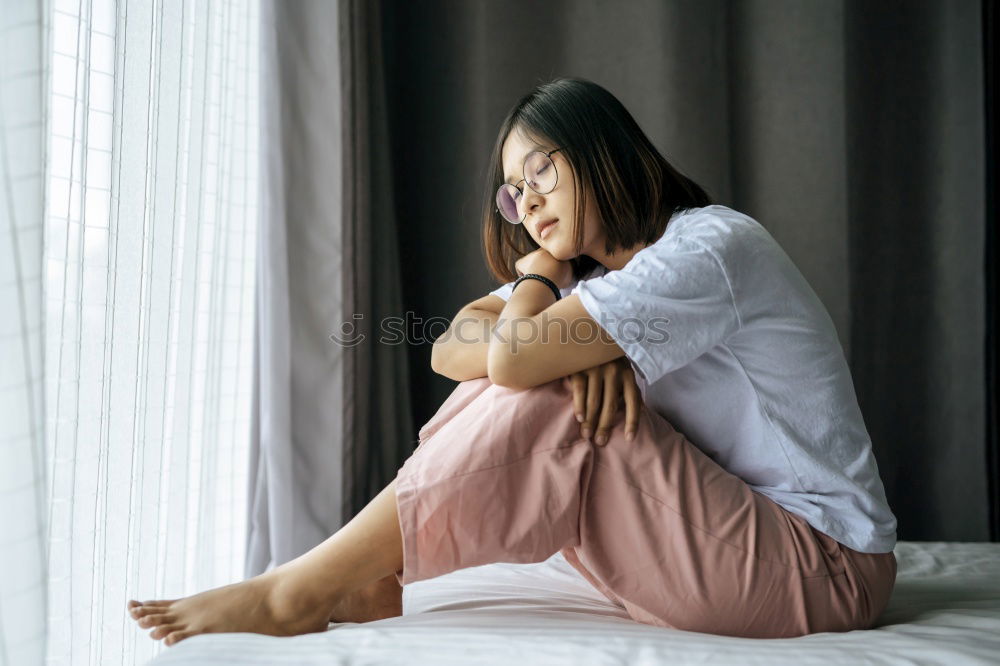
[[945, 610]]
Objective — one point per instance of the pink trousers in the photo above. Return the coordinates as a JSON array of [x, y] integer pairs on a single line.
[[503, 475]]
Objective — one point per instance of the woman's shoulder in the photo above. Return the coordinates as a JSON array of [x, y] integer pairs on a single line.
[[716, 225], [696, 240], [715, 230]]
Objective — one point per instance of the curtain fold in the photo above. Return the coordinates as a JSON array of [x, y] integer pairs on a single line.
[[384, 433], [917, 221], [331, 418]]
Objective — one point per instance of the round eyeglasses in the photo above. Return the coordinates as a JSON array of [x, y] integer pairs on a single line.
[[539, 174]]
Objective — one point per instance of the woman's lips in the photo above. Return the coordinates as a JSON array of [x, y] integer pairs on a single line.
[[547, 228]]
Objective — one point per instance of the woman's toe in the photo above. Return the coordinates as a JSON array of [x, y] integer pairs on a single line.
[[144, 611], [165, 630], [134, 607], [176, 636], [156, 620]]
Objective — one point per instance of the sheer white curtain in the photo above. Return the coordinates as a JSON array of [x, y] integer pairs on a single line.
[[125, 421], [22, 443]]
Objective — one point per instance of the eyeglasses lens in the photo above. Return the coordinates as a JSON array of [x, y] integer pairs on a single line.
[[539, 174]]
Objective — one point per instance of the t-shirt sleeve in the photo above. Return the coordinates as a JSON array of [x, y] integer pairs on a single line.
[[504, 291], [669, 305]]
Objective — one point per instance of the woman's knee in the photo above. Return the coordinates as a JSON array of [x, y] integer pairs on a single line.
[[544, 397], [461, 397], [540, 417]]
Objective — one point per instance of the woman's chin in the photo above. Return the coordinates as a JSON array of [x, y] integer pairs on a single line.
[[557, 251]]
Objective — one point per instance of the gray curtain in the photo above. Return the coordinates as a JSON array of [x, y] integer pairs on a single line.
[[853, 131], [332, 417]]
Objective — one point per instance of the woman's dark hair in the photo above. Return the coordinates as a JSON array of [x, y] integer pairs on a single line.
[[635, 189]]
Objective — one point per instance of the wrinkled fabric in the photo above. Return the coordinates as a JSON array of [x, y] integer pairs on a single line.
[[503, 475]]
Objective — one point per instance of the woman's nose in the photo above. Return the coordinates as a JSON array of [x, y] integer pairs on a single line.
[[530, 201]]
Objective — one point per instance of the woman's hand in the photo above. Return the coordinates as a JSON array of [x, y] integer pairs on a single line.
[[541, 262], [599, 391]]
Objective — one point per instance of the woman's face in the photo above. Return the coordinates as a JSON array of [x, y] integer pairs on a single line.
[[557, 204]]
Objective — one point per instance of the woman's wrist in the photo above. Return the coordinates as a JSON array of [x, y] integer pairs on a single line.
[[541, 262], [544, 279]]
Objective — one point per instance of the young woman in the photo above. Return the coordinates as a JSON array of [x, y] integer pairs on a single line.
[[738, 495]]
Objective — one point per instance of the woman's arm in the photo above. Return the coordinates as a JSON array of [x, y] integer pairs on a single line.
[[460, 352], [521, 355]]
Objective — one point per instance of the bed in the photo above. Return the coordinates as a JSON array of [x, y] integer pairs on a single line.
[[945, 609]]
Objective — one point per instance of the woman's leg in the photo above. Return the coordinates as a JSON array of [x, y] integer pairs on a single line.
[[383, 598], [348, 577], [655, 524], [377, 600], [674, 538], [295, 598]]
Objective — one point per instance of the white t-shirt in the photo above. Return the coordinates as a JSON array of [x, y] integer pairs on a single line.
[[732, 346]]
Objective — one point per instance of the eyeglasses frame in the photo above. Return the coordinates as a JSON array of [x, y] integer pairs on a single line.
[[525, 180]]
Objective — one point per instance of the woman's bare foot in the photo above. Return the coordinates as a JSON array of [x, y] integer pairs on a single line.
[[299, 596], [378, 600], [266, 604]]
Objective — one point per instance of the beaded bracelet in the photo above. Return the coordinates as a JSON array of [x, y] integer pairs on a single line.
[[536, 276]]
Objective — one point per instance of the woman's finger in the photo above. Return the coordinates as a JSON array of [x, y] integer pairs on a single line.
[[579, 381], [609, 406], [594, 380], [633, 403]]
